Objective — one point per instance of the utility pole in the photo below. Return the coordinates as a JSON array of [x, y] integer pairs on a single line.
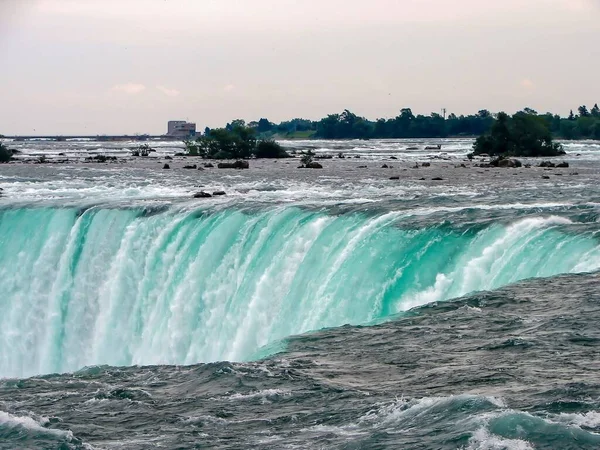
[[444, 113]]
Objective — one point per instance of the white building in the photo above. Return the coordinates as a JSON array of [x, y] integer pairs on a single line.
[[181, 129]]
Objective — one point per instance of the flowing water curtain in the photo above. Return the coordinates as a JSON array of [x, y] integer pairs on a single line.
[[123, 287]]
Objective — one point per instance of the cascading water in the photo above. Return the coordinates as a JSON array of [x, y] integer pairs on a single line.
[[125, 287]]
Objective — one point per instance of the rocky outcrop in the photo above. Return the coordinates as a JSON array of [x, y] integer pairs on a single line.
[[218, 193], [234, 165], [505, 162], [166, 166], [510, 162], [202, 194], [313, 165]]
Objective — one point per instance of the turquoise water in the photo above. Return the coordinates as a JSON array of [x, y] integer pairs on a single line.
[[180, 286]]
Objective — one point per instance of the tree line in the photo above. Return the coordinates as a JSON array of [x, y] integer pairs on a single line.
[[585, 124]]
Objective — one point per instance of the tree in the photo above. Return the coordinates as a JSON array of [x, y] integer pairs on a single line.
[[238, 142], [596, 131], [571, 115], [595, 110], [5, 154], [237, 123], [234, 142], [583, 111], [327, 127], [264, 125], [568, 129], [406, 114]]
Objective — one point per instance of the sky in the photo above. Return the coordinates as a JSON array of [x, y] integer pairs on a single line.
[[128, 66]]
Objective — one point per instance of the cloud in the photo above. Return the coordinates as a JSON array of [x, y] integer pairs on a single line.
[[168, 91], [580, 5], [527, 83], [129, 88], [229, 88]]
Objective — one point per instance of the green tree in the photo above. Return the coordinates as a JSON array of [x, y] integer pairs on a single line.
[[568, 129], [237, 123], [264, 125], [585, 125], [234, 142], [595, 110], [595, 132], [583, 111]]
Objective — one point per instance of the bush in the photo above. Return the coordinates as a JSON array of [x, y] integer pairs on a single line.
[[5, 154], [307, 158], [270, 149]]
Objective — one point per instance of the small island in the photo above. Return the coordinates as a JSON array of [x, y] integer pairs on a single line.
[[236, 141], [524, 134]]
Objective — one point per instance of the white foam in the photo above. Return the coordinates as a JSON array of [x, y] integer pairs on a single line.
[[28, 423], [346, 431], [589, 420], [264, 394], [401, 409], [483, 440]]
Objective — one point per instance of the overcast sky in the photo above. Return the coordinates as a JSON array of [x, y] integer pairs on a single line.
[[128, 66]]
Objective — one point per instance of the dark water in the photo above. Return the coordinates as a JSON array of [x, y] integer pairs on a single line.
[[515, 368]]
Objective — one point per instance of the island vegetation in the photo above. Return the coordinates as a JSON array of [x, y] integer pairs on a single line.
[[523, 134], [235, 141]]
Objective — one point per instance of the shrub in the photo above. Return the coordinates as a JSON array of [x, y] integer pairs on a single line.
[[270, 149], [307, 158]]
